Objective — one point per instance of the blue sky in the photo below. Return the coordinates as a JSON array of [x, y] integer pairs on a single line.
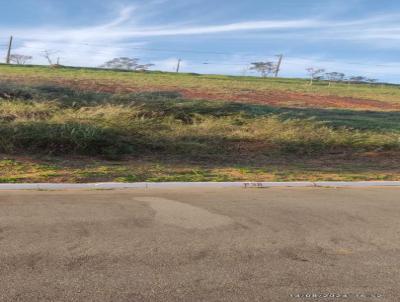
[[357, 37]]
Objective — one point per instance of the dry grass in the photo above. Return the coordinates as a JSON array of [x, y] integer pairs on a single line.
[[163, 136]]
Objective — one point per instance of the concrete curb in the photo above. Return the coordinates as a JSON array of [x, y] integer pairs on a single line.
[[145, 185], [355, 184]]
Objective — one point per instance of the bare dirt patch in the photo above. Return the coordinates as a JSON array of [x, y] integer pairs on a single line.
[[276, 98], [291, 99]]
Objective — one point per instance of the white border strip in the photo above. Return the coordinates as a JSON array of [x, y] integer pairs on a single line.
[[148, 185]]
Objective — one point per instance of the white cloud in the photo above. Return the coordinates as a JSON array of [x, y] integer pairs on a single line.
[[125, 14], [112, 31], [122, 27]]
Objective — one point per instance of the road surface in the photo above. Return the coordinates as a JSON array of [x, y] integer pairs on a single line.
[[200, 245]]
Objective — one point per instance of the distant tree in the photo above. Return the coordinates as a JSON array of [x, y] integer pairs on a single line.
[[143, 67], [48, 55], [371, 81], [334, 77], [361, 80], [315, 74], [265, 68], [125, 63], [357, 79], [20, 59]]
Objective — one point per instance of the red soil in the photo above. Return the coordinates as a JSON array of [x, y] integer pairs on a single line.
[[292, 99], [277, 98]]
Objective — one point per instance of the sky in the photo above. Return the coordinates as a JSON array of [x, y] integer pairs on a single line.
[[356, 37]]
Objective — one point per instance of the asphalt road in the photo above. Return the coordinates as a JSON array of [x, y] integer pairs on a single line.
[[200, 245]]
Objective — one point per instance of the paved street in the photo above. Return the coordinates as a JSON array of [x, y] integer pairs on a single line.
[[200, 245]]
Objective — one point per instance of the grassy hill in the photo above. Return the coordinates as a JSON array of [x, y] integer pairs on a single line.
[[77, 125]]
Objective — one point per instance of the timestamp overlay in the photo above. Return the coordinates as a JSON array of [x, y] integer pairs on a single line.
[[337, 295]]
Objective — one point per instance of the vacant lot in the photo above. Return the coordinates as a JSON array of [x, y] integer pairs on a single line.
[[94, 125]]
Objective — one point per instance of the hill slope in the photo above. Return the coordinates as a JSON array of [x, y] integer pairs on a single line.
[[79, 125]]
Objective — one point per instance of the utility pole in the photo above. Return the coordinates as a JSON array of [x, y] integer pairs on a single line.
[[179, 65], [8, 59], [278, 67]]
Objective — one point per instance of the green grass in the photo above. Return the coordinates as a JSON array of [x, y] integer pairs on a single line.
[[58, 132]]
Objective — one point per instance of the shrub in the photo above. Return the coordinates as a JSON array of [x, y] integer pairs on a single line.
[[68, 138]]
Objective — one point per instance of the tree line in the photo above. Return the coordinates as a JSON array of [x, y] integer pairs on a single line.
[[264, 68], [319, 74], [315, 74]]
